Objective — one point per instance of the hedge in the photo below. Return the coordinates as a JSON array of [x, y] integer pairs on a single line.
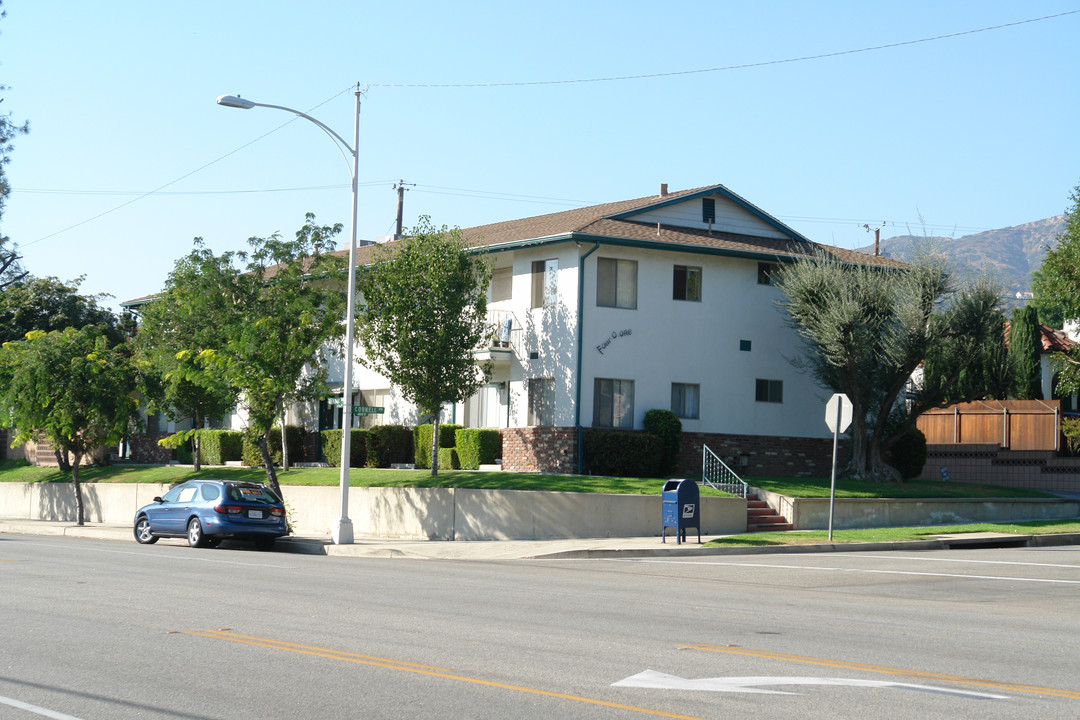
[[665, 425], [330, 447], [448, 459], [294, 435], [388, 445], [422, 442], [476, 447], [622, 454]]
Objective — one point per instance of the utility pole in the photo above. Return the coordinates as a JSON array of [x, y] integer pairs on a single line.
[[877, 236], [400, 187]]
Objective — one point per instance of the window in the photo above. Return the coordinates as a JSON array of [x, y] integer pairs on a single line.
[[686, 284], [708, 210], [210, 492], [765, 273], [770, 391], [613, 403], [684, 400], [616, 283], [542, 401], [502, 281], [744, 346], [545, 283]]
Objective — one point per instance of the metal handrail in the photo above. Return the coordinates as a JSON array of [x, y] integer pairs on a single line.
[[716, 474]]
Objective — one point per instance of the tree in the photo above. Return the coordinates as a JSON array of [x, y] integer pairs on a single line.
[[1057, 283], [867, 329], [423, 314], [1025, 353], [71, 387], [52, 304], [281, 311], [190, 317]]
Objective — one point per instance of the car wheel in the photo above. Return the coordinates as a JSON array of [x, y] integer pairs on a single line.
[[142, 531], [195, 537], [264, 543]]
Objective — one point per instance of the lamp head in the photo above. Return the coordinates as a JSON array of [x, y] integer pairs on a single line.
[[235, 101]]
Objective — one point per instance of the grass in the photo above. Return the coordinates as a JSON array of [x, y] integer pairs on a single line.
[[899, 534], [17, 471], [848, 488]]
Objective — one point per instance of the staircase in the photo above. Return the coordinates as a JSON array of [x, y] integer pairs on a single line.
[[762, 518]]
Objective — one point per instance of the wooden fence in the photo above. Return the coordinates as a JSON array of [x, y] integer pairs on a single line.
[[1012, 424]]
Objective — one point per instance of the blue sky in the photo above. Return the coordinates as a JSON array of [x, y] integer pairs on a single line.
[[468, 101]]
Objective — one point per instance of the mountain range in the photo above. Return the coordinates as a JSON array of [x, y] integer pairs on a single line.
[[1009, 254]]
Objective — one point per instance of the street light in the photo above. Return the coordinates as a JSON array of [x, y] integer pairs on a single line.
[[342, 532]]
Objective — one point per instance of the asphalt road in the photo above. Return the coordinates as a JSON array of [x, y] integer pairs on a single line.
[[109, 630]]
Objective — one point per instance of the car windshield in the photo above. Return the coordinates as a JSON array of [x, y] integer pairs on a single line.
[[252, 493]]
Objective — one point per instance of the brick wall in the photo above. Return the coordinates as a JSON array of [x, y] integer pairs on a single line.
[[146, 451], [764, 456], [540, 449]]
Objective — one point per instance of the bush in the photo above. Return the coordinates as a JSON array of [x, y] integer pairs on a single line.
[[294, 435], [330, 447], [221, 446], [908, 454], [422, 441], [477, 446], [388, 445], [1070, 428], [448, 459], [622, 454], [665, 425]]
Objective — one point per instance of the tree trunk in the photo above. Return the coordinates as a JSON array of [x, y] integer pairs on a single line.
[[284, 445], [62, 460], [271, 475], [79, 516], [435, 444], [197, 442]]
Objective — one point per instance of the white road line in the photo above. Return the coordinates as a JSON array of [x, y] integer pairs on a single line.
[[854, 570], [35, 709], [962, 560]]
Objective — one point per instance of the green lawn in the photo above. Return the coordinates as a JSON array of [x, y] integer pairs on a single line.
[[868, 535], [847, 488], [358, 477]]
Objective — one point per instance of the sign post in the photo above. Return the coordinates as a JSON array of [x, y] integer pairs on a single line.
[[838, 418]]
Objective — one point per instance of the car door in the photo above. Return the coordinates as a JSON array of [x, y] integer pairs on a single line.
[[169, 516]]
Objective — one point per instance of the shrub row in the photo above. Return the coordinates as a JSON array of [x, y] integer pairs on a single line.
[[469, 447], [653, 453], [378, 447]]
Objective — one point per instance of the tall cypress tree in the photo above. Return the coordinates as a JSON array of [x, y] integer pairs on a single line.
[[1025, 352]]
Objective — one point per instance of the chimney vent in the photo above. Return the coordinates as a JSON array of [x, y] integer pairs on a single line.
[[663, 189]]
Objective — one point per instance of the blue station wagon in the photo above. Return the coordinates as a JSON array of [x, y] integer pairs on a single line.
[[208, 511]]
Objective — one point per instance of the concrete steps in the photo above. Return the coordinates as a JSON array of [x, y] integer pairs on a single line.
[[762, 518]]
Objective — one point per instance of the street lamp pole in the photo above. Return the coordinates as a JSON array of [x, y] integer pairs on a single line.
[[342, 532]]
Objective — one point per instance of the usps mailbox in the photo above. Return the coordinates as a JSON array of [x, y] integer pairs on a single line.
[[681, 508]]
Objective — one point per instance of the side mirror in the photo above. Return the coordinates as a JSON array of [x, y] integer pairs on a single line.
[[158, 499]]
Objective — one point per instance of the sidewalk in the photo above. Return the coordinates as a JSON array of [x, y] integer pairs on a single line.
[[571, 548]]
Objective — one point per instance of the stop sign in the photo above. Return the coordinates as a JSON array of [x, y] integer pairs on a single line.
[[838, 413]]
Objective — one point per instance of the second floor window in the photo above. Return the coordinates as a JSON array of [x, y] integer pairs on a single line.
[[616, 283], [502, 282], [686, 284], [545, 283]]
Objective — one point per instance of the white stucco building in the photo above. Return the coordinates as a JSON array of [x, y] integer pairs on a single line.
[[602, 313]]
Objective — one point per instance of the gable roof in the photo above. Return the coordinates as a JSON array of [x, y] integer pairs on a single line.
[[619, 223]]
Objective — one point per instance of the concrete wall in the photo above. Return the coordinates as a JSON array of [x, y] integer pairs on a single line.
[[408, 513], [813, 513]]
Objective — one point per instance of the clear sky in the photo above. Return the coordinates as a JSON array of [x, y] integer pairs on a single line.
[[129, 158]]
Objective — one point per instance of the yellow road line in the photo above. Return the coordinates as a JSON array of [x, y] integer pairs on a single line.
[[415, 668], [1016, 687]]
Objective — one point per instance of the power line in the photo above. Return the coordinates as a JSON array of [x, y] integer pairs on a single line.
[[743, 66]]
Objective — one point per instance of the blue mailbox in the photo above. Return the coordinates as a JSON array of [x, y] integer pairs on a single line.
[[681, 508]]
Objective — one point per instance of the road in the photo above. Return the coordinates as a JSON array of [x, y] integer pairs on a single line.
[[108, 630]]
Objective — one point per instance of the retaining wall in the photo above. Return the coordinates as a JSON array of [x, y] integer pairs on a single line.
[[848, 513], [407, 513]]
